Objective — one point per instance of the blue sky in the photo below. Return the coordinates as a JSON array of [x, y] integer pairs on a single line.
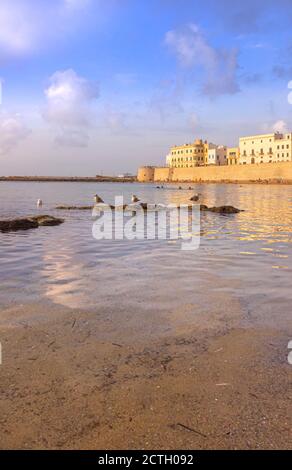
[[92, 86]]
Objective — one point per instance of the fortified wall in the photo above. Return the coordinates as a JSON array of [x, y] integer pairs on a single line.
[[263, 172]]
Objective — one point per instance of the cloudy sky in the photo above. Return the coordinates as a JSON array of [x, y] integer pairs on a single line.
[[91, 86]]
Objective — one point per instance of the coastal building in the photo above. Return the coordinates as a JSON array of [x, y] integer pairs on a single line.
[[187, 155], [198, 153], [265, 148], [233, 156], [217, 155]]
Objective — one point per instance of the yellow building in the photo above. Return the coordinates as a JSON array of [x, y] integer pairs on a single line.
[[232, 155], [187, 155], [265, 148]]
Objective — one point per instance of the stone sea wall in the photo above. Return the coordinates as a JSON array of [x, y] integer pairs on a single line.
[[262, 173]]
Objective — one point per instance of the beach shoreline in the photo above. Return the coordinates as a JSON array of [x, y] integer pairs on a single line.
[[70, 379]]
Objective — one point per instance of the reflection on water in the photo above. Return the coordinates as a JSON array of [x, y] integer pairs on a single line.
[[250, 251]]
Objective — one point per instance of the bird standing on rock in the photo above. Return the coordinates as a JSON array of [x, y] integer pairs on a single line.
[[98, 199], [39, 203], [135, 199], [195, 198]]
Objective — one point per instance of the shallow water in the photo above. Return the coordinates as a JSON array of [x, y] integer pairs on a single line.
[[246, 256]]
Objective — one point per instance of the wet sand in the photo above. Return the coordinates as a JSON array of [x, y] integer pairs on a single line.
[[73, 379]]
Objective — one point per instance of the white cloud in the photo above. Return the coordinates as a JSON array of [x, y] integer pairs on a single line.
[[12, 132], [28, 25], [69, 108], [219, 66], [18, 27], [280, 126]]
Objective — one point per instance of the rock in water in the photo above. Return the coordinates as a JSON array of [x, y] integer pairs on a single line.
[[220, 209], [47, 220], [17, 224], [225, 210], [74, 208], [27, 223]]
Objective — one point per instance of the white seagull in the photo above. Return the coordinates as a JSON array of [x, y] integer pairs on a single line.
[[135, 199]]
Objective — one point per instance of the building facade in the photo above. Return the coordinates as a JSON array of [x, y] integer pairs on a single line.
[[187, 155], [217, 155], [198, 153], [233, 156], [265, 148]]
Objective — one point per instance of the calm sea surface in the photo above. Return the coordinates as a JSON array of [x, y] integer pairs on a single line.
[[247, 256]]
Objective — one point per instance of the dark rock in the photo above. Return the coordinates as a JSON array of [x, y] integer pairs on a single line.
[[47, 220], [17, 224], [74, 208], [220, 209], [225, 210], [27, 223]]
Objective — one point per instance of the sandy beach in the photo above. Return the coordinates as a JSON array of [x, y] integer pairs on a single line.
[[75, 380]]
